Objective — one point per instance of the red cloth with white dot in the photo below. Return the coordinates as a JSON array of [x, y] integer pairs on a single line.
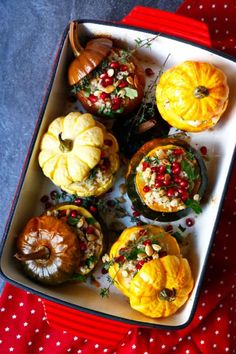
[[24, 328]]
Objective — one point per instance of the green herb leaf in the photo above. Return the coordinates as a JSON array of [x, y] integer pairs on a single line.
[[90, 221], [131, 93], [79, 277], [91, 260], [72, 221], [189, 170], [194, 205], [181, 228]]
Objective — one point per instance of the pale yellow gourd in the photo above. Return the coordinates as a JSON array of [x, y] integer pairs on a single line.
[[71, 148]]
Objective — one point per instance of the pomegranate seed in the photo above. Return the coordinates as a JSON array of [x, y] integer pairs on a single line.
[[103, 76], [171, 192], [108, 142], [166, 182], [145, 165], [140, 264], [160, 177], [147, 242], [136, 213], [64, 218], [162, 169], [181, 191], [158, 184], [73, 213], [177, 179], [116, 102], [44, 199], [139, 223], [104, 271], [93, 98], [178, 151], [62, 213], [146, 189], [78, 201], [142, 232], [189, 222], [53, 195], [176, 170], [89, 230], [184, 183], [120, 259], [184, 196], [154, 169], [203, 150], [123, 84], [169, 228], [149, 72], [93, 209], [83, 246], [104, 95], [114, 65], [123, 67], [108, 80]]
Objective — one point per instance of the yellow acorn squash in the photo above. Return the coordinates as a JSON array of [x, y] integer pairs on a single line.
[[192, 96]]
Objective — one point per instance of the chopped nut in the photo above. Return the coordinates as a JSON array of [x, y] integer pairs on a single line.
[[156, 247], [155, 255], [133, 237], [149, 250], [97, 93], [105, 258], [196, 197], [141, 256], [122, 93], [124, 273], [91, 237], [108, 89], [130, 80], [110, 72], [80, 223]]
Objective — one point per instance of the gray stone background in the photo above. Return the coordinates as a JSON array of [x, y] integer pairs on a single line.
[[30, 32]]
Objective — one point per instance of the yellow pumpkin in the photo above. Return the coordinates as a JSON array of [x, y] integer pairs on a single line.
[[161, 287], [72, 148], [136, 234], [192, 96]]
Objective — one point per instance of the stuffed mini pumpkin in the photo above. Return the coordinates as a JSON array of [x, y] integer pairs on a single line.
[[146, 265], [192, 96], [79, 155]]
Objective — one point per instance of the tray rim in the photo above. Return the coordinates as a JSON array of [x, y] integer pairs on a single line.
[[39, 120]]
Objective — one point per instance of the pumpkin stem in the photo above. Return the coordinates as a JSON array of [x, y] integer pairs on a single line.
[[74, 38], [42, 253], [167, 294], [65, 145], [201, 92]]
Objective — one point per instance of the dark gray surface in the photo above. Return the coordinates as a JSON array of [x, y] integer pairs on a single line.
[[30, 32]]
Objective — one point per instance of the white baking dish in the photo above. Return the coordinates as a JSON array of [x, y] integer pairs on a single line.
[[220, 143]]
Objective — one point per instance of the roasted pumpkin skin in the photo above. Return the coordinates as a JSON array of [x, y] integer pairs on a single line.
[[132, 190], [167, 242], [48, 249], [192, 96], [161, 287]]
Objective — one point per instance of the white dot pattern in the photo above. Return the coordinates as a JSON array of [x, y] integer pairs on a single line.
[[24, 327]]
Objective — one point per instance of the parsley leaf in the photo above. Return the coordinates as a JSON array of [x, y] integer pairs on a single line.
[[194, 205]]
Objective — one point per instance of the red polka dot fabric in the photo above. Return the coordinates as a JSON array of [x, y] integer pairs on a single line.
[[24, 327], [220, 16]]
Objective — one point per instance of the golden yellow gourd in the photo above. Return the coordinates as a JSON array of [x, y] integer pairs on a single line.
[[161, 287], [192, 96]]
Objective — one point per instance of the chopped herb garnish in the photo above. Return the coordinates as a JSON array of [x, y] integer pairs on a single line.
[[194, 205], [72, 221], [79, 277]]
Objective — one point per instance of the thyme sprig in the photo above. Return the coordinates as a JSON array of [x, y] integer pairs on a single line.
[[147, 98]]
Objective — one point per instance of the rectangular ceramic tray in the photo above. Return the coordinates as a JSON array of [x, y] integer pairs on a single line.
[[220, 143]]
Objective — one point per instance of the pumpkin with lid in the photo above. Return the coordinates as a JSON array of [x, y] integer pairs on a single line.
[[166, 178], [192, 96], [108, 81]]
